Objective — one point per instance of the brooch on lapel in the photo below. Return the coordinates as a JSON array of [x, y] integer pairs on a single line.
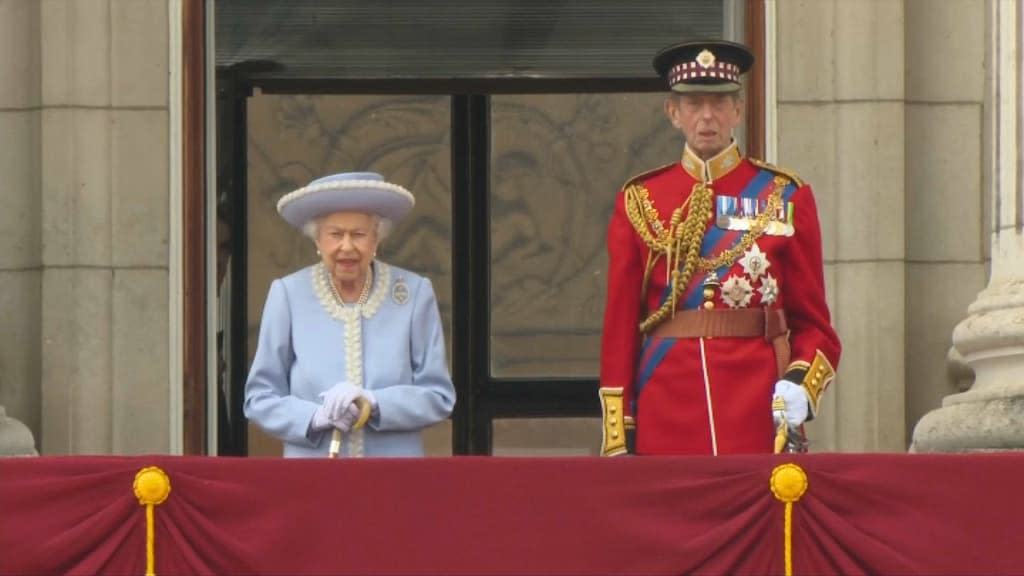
[[400, 292]]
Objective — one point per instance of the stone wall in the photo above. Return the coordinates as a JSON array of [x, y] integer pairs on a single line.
[[947, 204], [990, 339], [20, 242], [880, 109], [105, 226], [84, 229], [841, 126]]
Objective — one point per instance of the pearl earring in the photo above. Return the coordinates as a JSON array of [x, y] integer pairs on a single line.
[[318, 253]]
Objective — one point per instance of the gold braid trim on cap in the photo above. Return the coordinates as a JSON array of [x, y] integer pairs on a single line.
[[681, 241]]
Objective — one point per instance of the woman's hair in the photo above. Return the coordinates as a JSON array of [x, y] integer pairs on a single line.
[[384, 226], [309, 229]]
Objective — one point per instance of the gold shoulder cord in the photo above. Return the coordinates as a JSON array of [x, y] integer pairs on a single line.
[[647, 222], [682, 239], [645, 218], [773, 168]]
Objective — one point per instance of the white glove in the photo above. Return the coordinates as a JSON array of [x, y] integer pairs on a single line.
[[339, 397], [348, 418], [797, 404], [321, 419]]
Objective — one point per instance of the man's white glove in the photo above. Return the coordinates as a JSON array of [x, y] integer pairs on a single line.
[[796, 401]]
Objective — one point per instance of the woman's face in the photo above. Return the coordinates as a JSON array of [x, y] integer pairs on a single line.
[[347, 242]]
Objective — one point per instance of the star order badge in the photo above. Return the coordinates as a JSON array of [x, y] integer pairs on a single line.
[[754, 262], [736, 292], [769, 289], [400, 292]]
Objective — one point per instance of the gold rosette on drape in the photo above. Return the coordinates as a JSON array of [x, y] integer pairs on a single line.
[[788, 483], [152, 487]]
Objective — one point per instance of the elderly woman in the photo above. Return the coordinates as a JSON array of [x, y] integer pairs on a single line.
[[349, 331]]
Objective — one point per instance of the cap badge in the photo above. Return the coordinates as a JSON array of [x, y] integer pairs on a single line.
[[706, 59]]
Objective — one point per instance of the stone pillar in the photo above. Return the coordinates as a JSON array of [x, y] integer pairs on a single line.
[[990, 415], [841, 127], [947, 233], [105, 226], [20, 258]]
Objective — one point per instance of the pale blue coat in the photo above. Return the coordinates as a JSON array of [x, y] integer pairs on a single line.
[[308, 342]]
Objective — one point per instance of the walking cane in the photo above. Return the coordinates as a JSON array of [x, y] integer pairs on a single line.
[[787, 439], [336, 437], [782, 429]]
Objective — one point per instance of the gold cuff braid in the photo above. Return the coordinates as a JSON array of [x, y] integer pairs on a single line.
[[816, 380], [613, 439]]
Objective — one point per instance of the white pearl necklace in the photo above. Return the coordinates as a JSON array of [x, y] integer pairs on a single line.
[[364, 295]]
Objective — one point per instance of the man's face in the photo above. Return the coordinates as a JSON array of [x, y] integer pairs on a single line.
[[706, 119]]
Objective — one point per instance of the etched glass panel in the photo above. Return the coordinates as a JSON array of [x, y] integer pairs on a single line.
[[557, 163], [547, 437]]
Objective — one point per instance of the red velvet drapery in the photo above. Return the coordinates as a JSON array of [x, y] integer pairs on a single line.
[[870, 514]]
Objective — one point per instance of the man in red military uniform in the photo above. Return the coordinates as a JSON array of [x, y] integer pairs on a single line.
[[716, 318]]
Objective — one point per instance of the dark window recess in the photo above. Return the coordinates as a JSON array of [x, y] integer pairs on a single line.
[[416, 39]]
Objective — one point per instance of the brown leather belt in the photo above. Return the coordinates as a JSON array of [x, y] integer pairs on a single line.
[[769, 324]]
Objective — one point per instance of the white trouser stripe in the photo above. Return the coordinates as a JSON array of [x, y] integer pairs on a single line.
[[707, 395]]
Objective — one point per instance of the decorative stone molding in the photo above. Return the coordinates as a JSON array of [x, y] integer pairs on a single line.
[[960, 374], [15, 438]]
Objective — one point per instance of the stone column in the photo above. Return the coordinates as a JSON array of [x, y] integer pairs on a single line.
[[947, 230], [990, 415], [104, 226], [841, 127], [20, 257]]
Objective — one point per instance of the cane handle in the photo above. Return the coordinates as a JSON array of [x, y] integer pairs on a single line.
[[337, 437]]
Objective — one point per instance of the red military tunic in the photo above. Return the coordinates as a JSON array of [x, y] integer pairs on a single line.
[[761, 247]]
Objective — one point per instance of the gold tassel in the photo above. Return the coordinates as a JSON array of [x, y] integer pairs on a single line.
[[788, 484], [151, 486]]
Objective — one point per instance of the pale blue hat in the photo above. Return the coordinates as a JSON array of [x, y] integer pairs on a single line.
[[346, 192]]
